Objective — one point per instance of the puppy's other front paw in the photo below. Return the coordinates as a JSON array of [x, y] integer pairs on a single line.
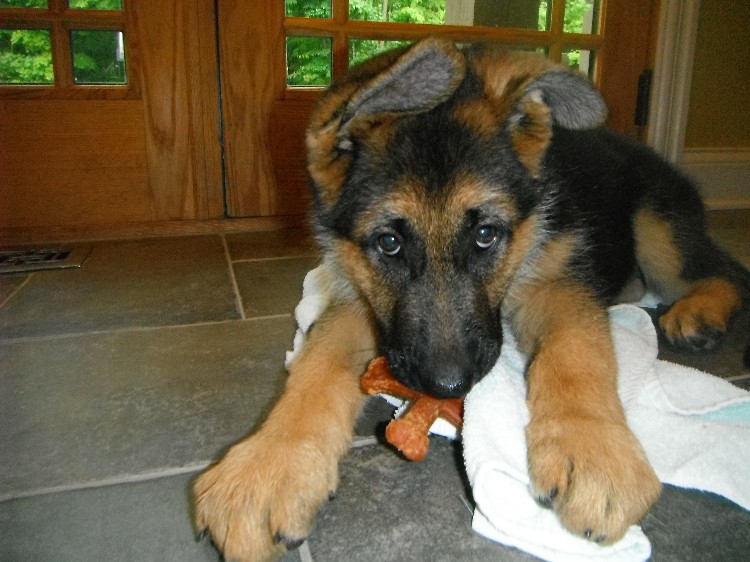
[[262, 497], [593, 472], [698, 321]]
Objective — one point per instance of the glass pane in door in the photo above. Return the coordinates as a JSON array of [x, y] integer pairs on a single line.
[[581, 16], [26, 56], [362, 49], [308, 61], [525, 14], [307, 8]]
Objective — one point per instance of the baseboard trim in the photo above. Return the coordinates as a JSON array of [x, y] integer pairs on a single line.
[[722, 175], [720, 155], [49, 234]]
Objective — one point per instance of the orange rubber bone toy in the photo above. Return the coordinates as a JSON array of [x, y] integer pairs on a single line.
[[409, 432]]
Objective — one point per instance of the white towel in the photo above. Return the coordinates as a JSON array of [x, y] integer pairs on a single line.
[[694, 427]]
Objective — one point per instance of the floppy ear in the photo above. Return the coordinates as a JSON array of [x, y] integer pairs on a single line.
[[557, 97], [574, 101], [425, 76], [393, 85]]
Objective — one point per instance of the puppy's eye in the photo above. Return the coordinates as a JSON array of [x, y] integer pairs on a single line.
[[389, 244], [486, 236]]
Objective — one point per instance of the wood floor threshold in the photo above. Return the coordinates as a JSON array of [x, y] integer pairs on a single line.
[[74, 233]]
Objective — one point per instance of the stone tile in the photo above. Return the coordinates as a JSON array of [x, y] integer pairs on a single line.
[[725, 361], [291, 242], [9, 284], [145, 521], [691, 526], [736, 242], [390, 509], [270, 287], [375, 415], [126, 284], [728, 218], [387, 508], [83, 408]]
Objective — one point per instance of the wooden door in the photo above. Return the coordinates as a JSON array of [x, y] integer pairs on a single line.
[[264, 117], [159, 149], [136, 144]]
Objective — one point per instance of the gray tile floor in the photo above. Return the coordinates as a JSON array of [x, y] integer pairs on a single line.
[[119, 382]]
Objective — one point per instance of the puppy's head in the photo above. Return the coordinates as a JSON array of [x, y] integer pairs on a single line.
[[427, 167]]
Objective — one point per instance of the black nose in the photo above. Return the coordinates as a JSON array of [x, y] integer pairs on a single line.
[[446, 380]]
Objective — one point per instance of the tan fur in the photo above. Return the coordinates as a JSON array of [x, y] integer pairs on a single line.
[[480, 115], [577, 421], [504, 73], [579, 445], [520, 245], [708, 303], [436, 221], [531, 137], [326, 165], [360, 271], [658, 255], [275, 480], [505, 77]]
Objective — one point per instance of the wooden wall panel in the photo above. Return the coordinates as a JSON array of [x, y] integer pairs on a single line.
[[287, 137], [72, 162], [87, 156], [179, 76], [251, 47]]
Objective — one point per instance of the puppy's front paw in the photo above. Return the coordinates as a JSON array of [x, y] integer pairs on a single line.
[[698, 321], [593, 472], [262, 497]]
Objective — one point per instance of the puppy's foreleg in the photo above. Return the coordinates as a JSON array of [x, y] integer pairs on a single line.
[[583, 459], [262, 497]]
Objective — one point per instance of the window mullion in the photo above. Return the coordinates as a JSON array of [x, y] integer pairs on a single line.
[[62, 57], [57, 7], [340, 60], [557, 22]]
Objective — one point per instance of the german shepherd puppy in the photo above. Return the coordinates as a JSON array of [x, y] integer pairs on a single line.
[[454, 190]]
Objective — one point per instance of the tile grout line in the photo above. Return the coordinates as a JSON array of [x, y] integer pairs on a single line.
[[358, 442], [304, 552], [17, 290], [106, 482], [50, 337], [277, 258], [233, 278]]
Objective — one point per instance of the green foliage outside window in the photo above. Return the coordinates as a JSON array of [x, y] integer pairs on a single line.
[[25, 57], [98, 57], [309, 58], [95, 4], [23, 3], [26, 54]]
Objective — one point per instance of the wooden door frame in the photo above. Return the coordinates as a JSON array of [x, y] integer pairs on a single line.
[[164, 168], [259, 112], [673, 69]]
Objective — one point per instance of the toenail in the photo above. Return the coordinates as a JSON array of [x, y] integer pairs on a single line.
[[293, 544], [290, 544], [600, 538], [587, 533]]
